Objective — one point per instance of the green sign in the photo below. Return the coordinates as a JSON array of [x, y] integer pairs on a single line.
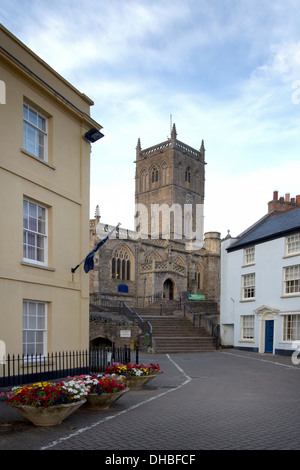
[[196, 297]]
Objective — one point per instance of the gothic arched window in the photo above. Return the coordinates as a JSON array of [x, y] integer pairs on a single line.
[[188, 175], [180, 173], [143, 180], [120, 264], [164, 174], [199, 276], [154, 174]]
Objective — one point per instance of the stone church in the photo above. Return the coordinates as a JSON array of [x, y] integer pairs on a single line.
[[168, 255]]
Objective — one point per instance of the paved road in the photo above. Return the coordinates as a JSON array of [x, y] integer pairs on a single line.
[[225, 400]]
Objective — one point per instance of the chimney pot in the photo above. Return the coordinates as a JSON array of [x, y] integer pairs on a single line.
[[298, 199], [287, 197], [275, 196]]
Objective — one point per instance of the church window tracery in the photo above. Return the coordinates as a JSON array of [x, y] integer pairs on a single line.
[[154, 174], [120, 264], [188, 175], [143, 180]]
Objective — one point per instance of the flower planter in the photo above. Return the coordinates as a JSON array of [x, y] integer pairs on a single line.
[[103, 401], [47, 416], [135, 382]]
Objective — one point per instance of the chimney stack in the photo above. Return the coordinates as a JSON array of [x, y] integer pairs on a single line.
[[282, 204]]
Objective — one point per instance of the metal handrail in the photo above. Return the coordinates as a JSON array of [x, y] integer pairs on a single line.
[[215, 329], [141, 321]]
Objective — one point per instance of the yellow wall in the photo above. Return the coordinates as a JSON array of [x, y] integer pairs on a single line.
[[61, 184]]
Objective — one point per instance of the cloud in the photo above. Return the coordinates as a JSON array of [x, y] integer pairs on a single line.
[[223, 70], [236, 202]]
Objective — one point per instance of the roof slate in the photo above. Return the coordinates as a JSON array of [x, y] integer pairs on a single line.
[[268, 228]]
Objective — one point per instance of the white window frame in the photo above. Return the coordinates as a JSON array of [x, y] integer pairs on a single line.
[[35, 132], [291, 327], [247, 327], [32, 237], [248, 286], [249, 255], [34, 328], [292, 245], [291, 280]]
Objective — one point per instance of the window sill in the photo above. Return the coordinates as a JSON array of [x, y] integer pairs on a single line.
[[246, 341], [290, 342], [248, 265], [290, 296], [248, 300], [40, 266], [291, 255], [38, 159]]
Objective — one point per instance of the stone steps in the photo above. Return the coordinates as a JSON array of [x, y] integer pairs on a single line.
[[171, 334], [182, 344]]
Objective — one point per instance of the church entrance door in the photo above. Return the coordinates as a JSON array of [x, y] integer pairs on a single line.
[[168, 289]]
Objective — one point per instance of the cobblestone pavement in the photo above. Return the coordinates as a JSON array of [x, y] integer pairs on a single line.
[[223, 400]]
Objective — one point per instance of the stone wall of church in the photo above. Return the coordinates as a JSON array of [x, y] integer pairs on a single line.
[[137, 271], [158, 262]]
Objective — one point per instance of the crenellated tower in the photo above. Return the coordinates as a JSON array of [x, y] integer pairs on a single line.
[[170, 174]]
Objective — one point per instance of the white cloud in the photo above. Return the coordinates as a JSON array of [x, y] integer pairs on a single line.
[[224, 70], [283, 64], [236, 202]]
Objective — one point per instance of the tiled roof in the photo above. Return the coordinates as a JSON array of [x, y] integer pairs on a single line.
[[268, 228]]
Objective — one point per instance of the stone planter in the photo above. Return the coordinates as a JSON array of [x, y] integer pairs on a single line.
[[50, 416], [103, 401], [135, 382]]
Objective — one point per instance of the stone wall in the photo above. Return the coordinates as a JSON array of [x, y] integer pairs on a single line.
[[109, 327]]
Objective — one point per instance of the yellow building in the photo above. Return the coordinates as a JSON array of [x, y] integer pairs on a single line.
[[44, 208]]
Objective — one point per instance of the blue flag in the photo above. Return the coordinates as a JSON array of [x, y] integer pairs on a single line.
[[89, 260]]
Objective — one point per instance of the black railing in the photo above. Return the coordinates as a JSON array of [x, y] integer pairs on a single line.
[[206, 322], [24, 369]]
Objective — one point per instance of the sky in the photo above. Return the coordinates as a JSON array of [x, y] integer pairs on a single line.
[[225, 71]]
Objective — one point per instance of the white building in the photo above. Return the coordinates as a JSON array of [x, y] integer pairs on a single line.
[[260, 283]]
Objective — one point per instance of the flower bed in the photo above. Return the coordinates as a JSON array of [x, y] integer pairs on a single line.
[[98, 384], [45, 403], [46, 394], [102, 390], [133, 370]]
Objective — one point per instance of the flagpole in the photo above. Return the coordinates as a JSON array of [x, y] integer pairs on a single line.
[[108, 235]]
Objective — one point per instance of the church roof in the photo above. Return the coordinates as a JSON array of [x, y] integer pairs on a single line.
[[268, 228]]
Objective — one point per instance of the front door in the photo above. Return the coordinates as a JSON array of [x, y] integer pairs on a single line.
[[269, 336]]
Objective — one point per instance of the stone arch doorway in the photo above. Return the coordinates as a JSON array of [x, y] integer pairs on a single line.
[[168, 289], [100, 342]]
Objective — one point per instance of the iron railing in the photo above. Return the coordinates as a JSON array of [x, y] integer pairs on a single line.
[[206, 322], [25, 369]]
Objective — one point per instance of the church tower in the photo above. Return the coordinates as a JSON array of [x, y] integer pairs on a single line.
[[169, 190], [161, 261]]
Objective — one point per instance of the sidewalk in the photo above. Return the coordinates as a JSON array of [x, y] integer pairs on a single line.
[[204, 401]]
